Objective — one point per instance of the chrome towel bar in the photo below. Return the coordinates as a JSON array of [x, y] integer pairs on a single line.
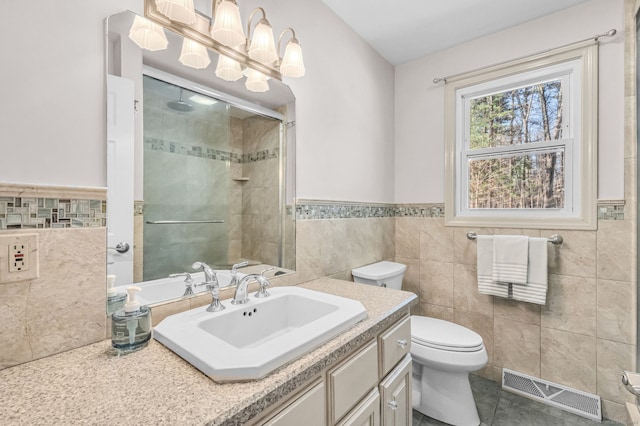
[[554, 239]]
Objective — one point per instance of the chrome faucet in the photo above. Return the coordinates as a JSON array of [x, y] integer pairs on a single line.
[[241, 290], [211, 281]]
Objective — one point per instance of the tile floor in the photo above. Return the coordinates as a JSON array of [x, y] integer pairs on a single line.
[[500, 408]]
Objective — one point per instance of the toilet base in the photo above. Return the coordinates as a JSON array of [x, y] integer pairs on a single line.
[[444, 395]]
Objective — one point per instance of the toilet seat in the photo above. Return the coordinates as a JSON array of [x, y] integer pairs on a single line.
[[444, 335]]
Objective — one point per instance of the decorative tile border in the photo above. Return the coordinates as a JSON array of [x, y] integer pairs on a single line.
[[40, 213], [611, 210], [209, 153], [311, 209]]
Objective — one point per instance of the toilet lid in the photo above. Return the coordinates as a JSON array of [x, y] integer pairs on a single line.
[[444, 335]]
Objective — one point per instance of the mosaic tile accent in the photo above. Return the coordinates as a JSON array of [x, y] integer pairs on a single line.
[[210, 153], [341, 210], [419, 210], [610, 211], [39, 213]]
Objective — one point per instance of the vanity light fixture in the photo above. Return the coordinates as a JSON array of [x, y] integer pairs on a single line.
[[148, 35], [256, 81], [291, 64], [228, 69], [194, 54], [227, 24], [262, 47], [178, 10], [225, 36]]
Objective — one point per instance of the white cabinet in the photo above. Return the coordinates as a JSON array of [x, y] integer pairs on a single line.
[[309, 406], [351, 380], [371, 387], [367, 413], [395, 395]]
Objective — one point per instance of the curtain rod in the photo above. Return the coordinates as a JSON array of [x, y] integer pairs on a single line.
[[595, 38]]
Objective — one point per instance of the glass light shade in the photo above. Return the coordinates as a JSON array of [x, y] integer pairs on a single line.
[[148, 35], [292, 64], [194, 55], [228, 69], [256, 81], [178, 10], [263, 48], [227, 25]]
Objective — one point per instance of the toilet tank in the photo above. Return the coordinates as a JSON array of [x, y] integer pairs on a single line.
[[383, 274]]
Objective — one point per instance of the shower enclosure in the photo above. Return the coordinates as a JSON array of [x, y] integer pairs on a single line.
[[211, 182]]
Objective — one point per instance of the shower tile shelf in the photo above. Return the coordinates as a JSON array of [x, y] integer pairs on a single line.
[[241, 179]]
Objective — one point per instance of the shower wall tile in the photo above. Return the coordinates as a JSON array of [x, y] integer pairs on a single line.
[[571, 304], [568, 358]]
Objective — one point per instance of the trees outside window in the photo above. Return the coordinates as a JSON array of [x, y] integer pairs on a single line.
[[521, 148]]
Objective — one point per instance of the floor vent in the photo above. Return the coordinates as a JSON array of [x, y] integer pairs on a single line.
[[559, 396]]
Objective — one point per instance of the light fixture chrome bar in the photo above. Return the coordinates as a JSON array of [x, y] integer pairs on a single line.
[[596, 38], [199, 32], [182, 222]]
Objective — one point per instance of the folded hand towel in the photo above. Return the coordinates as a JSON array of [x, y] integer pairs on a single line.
[[536, 289], [510, 258], [486, 284]]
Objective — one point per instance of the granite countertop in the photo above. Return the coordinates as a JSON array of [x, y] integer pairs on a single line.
[[88, 385]]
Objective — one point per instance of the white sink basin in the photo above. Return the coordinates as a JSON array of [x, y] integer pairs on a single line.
[[163, 289], [246, 342]]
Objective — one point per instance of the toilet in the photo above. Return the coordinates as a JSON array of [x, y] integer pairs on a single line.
[[443, 355]]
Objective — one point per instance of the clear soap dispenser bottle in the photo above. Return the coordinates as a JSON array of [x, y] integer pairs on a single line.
[[131, 326], [115, 300]]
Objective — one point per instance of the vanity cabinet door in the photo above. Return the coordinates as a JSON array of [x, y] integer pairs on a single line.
[[308, 409], [395, 391], [367, 413], [352, 380]]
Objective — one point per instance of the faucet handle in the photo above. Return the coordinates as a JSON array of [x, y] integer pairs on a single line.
[[239, 265], [267, 270], [264, 283], [188, 282]]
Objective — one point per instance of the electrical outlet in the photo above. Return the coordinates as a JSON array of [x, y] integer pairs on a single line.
[[18, 257]]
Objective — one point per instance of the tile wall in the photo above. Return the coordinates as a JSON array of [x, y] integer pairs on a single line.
[[585, 334], [63, 308]]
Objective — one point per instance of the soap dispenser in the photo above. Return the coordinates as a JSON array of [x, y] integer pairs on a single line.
[[115, 300], [131, 326]]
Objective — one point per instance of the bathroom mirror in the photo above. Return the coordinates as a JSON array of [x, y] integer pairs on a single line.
[[212, 176]]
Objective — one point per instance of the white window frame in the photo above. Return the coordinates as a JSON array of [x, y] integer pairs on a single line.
[[577, 67]]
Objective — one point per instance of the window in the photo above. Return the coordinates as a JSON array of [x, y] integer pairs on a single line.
[[521, 143]]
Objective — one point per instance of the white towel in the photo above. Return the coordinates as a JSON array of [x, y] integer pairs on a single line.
[[535, 291], [486, 284], [510, 258]]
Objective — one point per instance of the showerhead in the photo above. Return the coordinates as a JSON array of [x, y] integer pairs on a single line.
[[180, 105]]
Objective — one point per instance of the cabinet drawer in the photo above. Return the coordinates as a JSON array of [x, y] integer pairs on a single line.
[[352, 380], [395, 343], [309, 406]]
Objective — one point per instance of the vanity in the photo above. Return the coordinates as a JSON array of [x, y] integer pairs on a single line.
[[362, 376]]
